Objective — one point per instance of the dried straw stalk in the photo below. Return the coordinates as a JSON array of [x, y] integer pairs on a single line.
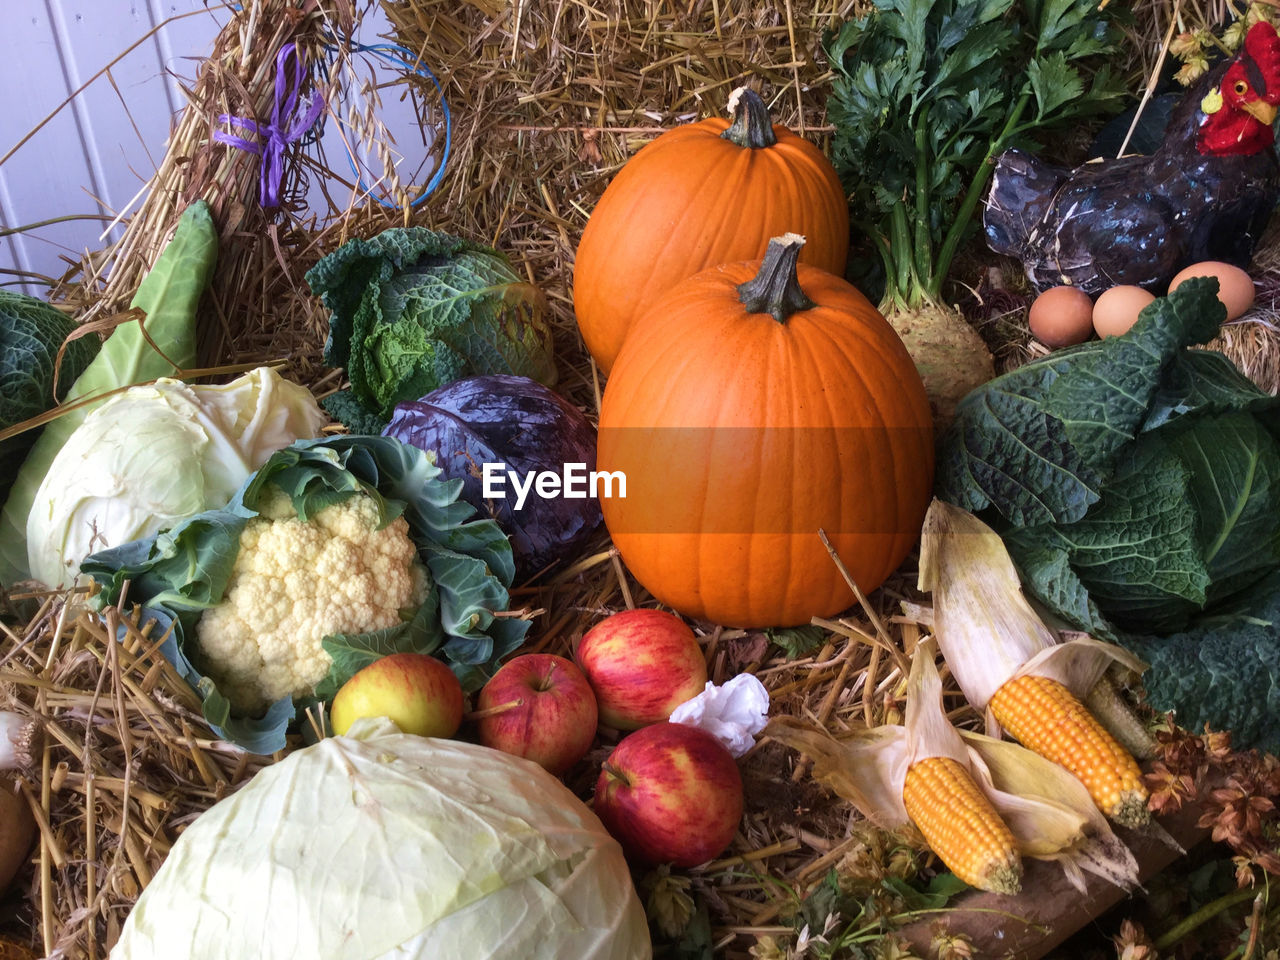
[[126, 764], [1253, 342], [550, 99]]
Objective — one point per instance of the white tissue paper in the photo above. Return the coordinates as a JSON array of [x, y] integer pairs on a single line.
[[733, 713]]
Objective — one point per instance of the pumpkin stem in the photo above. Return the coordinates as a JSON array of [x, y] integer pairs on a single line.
[[775, 290], [752, 126]]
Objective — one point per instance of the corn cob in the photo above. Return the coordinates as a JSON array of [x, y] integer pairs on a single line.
[[961, 826], [1044, 716]]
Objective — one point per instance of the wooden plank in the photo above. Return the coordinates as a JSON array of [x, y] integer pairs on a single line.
[[1049, 910]]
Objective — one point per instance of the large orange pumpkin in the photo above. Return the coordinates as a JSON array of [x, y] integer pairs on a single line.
[[753, 405], [700, 195]]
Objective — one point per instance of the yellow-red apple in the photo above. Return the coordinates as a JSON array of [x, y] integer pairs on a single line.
[[417, 691], [642, 664], [540, 707], [670, 793]]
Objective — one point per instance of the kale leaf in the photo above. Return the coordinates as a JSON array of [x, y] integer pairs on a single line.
[[31, 333]]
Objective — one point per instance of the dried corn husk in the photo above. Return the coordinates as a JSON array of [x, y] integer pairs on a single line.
[[1049, 811], [986, 629], [1031, 786]]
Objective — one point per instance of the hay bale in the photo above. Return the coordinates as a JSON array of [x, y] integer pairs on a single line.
[[551, 99], [258, 308], [1252, 342], [125, 764]]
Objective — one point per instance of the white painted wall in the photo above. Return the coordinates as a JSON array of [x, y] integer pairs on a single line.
[[97, 153]]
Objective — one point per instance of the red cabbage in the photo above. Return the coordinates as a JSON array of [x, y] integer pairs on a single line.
[[514, 420]]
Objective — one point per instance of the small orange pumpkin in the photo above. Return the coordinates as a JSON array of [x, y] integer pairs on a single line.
[[699, 195], [754, 404]]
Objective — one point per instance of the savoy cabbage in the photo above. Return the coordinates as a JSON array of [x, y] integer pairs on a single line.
[[1136, 483], [31, 333], [412, 309]]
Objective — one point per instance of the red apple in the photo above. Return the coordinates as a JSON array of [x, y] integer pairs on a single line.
[[642, 664], [550, 715], [418, 692], [670, 793]]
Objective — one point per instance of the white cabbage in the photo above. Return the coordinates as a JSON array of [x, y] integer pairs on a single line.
[[157, 454], [381, 845]]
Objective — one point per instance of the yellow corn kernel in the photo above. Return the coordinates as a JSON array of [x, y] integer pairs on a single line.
[[961, 826], [1044, 716]]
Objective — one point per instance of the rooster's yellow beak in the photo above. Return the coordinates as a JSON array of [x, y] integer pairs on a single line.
[[1260, 110]]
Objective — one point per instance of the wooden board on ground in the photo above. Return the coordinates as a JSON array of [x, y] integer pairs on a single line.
[[1050, 909]]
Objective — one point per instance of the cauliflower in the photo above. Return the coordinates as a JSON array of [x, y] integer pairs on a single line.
[[295, 583]]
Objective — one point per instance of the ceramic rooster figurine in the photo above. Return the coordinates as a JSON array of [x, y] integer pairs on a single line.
[[1205, 194]]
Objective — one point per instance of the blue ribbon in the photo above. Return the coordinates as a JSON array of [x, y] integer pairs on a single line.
[[274, 136], [404, 59]]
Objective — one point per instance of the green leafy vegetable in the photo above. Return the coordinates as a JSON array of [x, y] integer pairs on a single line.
[[168, 296], [412, 310], [1224, 670], [183, 571], [1137, 486], [679, 923], [695, 942], [926, 92], [799, 641], [854, 917], [31, 333], [941, 888]]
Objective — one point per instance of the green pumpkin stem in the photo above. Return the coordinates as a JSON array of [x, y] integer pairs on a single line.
[[752, 126], [775, 290]]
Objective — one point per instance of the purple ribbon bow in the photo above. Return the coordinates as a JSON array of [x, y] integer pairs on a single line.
[[273, 136]]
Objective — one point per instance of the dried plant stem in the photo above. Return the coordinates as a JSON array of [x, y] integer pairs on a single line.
[[1154, 79], [91, 863], [1213, 908]]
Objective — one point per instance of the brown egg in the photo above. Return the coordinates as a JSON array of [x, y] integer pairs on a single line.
[[1235, 289], [1061, 317], [1117, 309]]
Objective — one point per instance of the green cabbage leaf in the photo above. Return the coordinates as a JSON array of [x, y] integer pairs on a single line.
[[1136, 483], [31, 333], [412, 309], [183, 571], [382, 846]]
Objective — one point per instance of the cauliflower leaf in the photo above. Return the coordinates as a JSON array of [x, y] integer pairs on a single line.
[[182, 572]]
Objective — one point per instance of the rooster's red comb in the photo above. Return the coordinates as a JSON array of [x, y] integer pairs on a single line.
[[1262, 46]]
